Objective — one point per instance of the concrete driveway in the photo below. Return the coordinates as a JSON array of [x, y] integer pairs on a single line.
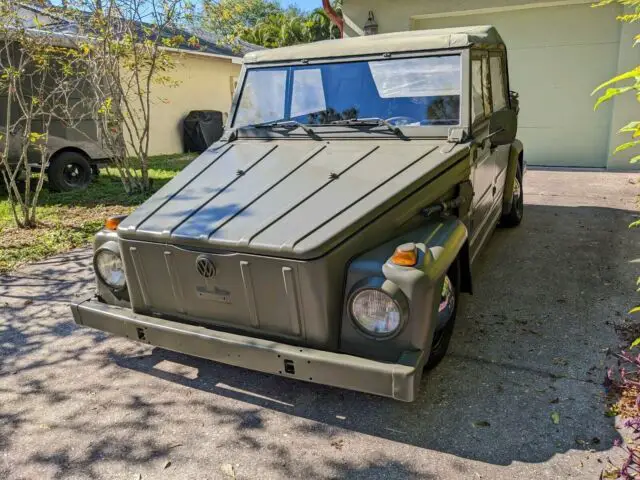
[[76, 403]]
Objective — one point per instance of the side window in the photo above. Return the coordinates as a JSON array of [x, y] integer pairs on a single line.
[[477, 99], [486, 86], [481, 90], [499, 96]]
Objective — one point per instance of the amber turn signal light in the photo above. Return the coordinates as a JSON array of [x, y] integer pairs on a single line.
[[112, 222], [405, 255]]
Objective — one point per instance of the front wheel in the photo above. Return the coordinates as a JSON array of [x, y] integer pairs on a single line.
[[447, 312], [514, 217]]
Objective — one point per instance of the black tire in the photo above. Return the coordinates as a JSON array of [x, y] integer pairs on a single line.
[[69, 171], [442, 337], [514, 217]]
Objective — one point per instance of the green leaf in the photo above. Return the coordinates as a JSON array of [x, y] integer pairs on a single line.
[[634, 160], [631, 312], [623, 76], [555, 418], [635, 343], [626, 146], [610, 93], [630, 127]]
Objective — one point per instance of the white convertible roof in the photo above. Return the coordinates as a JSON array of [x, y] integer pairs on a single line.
[[413, 41]]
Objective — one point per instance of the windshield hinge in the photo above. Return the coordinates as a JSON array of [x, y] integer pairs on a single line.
[[457, 135]]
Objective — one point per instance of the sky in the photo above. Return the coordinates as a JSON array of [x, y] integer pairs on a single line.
[[303, 4]]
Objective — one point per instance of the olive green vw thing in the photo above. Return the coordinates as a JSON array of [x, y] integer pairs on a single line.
[[329, 234]]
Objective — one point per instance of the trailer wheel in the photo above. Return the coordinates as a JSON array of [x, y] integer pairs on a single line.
[[69, 171]]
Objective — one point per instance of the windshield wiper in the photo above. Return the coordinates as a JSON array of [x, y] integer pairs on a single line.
[[375, 121], [286, 123]]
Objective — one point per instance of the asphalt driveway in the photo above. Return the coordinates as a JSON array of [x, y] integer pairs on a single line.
[[532, 342]]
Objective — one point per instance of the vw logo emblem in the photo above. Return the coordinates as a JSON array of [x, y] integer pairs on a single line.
[[205, 267]]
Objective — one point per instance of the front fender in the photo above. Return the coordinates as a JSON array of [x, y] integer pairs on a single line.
[[439, 242]]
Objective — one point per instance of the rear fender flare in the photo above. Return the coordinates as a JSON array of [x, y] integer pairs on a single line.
[[515, 157]]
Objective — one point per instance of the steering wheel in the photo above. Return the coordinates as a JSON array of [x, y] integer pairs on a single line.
[[402, 120]]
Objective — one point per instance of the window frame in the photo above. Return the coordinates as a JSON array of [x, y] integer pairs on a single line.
[[345, 131]]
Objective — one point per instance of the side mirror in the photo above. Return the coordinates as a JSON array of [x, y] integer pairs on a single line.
[[503, 126]]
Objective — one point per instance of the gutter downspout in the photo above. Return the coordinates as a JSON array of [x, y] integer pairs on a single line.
[[333, 15]]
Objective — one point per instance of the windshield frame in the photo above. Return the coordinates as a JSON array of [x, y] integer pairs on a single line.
[[424, 131]]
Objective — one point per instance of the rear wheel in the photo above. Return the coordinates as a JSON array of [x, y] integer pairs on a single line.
[[514, 217], [447, 312], [69, 171]]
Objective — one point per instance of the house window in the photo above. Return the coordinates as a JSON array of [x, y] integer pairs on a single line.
[[498, 92]]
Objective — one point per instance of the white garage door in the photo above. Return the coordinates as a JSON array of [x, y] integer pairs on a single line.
[[557, 55]]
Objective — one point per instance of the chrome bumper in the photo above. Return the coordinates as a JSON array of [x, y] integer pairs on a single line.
[[396, 380]]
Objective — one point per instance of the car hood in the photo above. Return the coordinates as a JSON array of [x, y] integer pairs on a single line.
[[286, 198]]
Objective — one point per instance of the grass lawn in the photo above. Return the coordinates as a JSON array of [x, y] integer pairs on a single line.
[[71, 219]]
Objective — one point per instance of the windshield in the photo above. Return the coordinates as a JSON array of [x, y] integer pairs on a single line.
[[409, 91]]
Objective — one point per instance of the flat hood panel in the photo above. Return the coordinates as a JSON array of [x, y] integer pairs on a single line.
[[287, 198]]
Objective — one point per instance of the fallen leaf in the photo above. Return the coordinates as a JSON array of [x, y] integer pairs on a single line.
[[337, 444], [227, 470], [481, 423], [555, 418], [28, 302], [555, 400], [168, 464]]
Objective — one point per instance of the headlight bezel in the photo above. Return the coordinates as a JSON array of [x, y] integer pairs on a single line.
[[113, 249], [387, 288]]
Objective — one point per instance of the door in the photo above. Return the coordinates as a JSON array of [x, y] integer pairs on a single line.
[[499, 101], [557, 56], [483, 156]]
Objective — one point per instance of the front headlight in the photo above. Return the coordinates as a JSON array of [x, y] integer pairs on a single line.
[[109, 267], [376, 312]]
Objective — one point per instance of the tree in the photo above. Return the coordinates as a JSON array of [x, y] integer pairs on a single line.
[[37, 87], [266, 23], [124, 50], [630, 80], [627, 82]]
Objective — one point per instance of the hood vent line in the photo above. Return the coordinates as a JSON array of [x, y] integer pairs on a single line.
[[191, 180], [305, 160], [318, 227], [196, 210], [307, 197]]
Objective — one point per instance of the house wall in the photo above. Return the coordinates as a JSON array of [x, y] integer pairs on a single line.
[[581, 48], [205, 83]]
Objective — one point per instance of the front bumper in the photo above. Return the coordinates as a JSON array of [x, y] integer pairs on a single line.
[[396, 380]]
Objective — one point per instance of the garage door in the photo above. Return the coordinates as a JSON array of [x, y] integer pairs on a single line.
[[557, 55]]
